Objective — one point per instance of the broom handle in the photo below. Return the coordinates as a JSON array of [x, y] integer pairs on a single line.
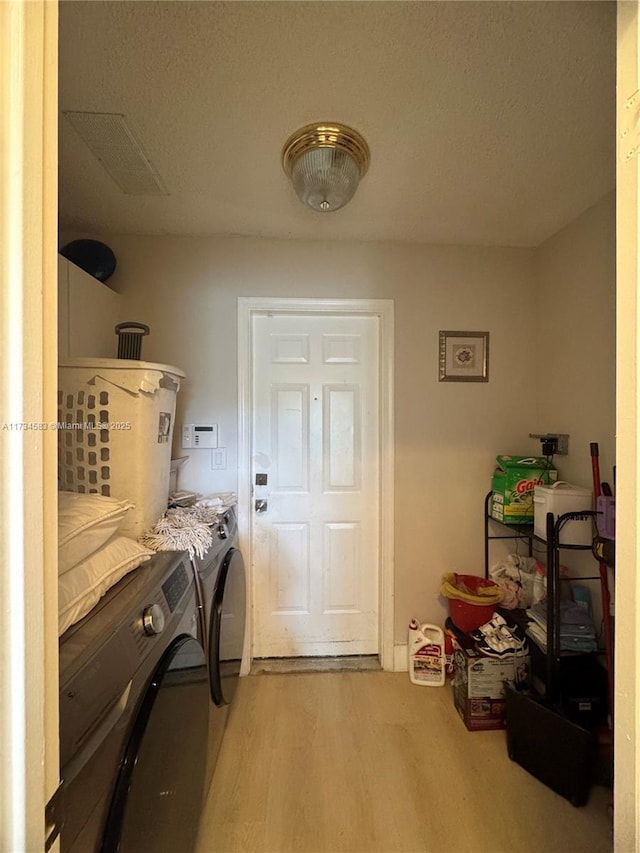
[[595, 467]]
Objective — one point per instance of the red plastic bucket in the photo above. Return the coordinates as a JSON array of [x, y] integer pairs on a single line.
[[464, 614]]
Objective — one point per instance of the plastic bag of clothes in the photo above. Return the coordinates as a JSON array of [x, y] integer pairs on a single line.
[[515, 575]]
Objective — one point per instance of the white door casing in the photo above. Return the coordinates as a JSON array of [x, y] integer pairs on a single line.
[[28, 449], [627, 590], [319, 515]]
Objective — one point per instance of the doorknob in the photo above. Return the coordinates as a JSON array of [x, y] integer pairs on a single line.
[[261, 506]]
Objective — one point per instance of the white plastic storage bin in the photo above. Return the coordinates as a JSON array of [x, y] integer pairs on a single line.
[[115, 424], [559, 498]]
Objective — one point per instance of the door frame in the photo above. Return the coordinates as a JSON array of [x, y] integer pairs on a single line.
[[29, 765], [626, 813], [248, 306]]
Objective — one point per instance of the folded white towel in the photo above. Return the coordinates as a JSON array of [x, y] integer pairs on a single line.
[[222, 501]]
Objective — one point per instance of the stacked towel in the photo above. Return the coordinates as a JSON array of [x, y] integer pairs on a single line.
[[220, 501]]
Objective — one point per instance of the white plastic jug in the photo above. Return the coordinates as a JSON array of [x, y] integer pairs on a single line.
[[426, 652]]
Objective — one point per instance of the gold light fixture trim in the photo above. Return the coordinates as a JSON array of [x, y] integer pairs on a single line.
[[326, 135]]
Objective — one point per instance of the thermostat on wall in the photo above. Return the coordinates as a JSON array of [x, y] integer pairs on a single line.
[[199, 435]]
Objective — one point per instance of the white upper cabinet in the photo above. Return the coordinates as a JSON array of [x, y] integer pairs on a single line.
[[88, 311]]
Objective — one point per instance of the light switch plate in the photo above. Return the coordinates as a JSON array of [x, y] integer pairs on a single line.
[[219, 458]]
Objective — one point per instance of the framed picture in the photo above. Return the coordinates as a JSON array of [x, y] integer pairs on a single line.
[[464, 356]]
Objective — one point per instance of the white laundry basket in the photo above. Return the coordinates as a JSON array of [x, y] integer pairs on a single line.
[[115, 425]]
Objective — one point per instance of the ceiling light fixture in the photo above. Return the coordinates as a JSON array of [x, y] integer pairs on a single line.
[[325, 162]]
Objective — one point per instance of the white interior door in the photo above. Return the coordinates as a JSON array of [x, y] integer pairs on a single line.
[[315, 439]]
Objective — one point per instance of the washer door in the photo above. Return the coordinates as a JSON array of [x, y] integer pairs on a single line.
[[226, 634], [163, 778]]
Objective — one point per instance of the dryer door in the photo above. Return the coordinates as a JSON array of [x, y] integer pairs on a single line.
[[164, 775], [226, 635]]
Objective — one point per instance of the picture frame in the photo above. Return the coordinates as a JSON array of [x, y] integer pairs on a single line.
[[464, 357]]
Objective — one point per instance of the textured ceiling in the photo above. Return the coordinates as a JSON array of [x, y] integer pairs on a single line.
[[488, 123]]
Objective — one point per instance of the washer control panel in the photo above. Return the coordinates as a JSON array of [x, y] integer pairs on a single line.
[[175, 586]]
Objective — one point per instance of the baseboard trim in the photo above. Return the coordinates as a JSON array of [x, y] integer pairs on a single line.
[[400, 661]]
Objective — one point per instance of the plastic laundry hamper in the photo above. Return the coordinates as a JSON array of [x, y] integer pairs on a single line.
[[115, 425]]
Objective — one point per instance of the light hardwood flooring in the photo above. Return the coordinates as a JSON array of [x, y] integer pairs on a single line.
[[367, 762]]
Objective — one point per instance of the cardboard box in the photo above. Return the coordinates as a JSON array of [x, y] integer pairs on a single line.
[[514, 481], [479, 685]]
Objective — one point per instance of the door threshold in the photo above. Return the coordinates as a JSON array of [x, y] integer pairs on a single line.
[[265, 666]]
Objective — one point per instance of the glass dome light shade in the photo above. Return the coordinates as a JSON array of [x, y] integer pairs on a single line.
[[325, 179], [325, 163]]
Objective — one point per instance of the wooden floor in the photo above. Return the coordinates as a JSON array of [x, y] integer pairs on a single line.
[[366, 762]]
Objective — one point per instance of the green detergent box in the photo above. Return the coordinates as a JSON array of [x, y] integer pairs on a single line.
[[514, 481]]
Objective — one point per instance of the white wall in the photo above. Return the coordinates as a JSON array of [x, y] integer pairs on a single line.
[[576, 334], [447, 434], [575, 363]]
